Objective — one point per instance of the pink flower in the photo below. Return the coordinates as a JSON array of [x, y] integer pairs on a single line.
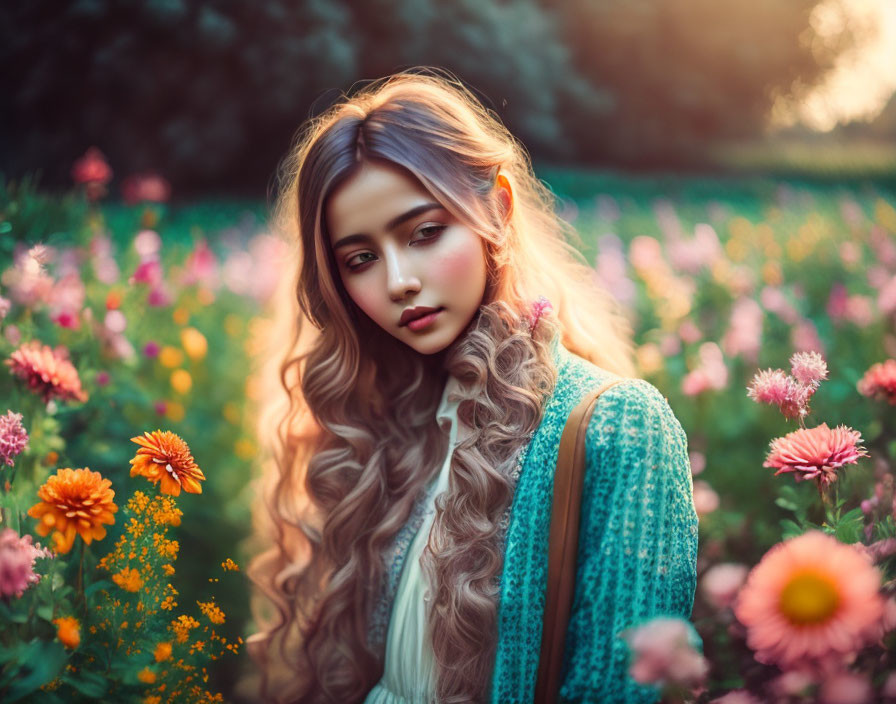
[[846, 688], [17, 556], [815, 453], [92, 168], [28, 281], [808, 368], [773, 386], [804, 337], [149, 271], [93, 172], [721, 583], [13, 437], [744, 333], [737, 696], [664, 651], [808, 599], [879, 382], [706, 500], [145, 187], [710, 373], [66, 299], [697, 461], [5, 305], [47, 371], [793, 683], [201, 266]]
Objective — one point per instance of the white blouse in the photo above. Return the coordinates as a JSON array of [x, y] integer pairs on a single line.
[[409, 667]]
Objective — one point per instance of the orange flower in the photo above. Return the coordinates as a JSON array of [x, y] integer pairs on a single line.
[[68, 631], [128, 579], [146, 675], [47, 371], [810, 598], [164, 457], [74, 502], [163, 651]]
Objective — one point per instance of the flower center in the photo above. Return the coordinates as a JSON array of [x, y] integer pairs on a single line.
[[808, 598]]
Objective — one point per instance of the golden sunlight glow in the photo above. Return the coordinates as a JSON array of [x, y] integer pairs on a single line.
[[863, 81]]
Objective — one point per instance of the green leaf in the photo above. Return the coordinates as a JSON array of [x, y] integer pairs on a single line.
[[790, 529], [41, 662], [786, 504], [90, 684], [849, 528], [99, 584]]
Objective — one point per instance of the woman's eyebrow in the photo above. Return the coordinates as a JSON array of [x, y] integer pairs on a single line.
[[391, 225]]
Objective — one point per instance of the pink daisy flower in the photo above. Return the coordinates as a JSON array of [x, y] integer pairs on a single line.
[[879, 382], [47, 371], [13, 437], [815, 453], [809, 599]]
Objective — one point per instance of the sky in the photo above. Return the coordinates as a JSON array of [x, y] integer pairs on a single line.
[[864, 80]]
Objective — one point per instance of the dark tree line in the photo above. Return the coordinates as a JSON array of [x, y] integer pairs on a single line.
[[210, 92]]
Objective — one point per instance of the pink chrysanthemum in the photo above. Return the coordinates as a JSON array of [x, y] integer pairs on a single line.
[[47, 372], [879, 382], [815, 453], [13, 437], [809, 368], [809, 599], [17, 556]]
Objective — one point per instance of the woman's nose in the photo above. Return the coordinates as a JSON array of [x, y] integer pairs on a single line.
[[401, 274]]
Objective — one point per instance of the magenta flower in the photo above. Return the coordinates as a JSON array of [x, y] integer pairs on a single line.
[[13, 437], [879, 382], [815, 453], [17, 556]]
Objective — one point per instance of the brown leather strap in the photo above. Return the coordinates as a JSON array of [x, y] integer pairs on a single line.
[[564, 539]]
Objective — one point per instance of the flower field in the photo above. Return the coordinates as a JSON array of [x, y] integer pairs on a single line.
[[764, 311]]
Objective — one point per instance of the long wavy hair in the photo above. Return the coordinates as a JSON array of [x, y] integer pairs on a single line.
[[346, 421]]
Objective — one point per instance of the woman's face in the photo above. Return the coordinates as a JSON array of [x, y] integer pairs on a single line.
[[397, 248]]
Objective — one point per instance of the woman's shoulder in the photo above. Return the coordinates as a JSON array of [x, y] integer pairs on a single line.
[[633, 408]]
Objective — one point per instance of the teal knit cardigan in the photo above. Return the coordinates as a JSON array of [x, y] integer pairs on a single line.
[[637, 548]]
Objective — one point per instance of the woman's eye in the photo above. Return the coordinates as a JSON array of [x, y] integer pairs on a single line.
[[435, 231], [430, 232]]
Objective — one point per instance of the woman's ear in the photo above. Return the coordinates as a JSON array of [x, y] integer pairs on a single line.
[[505, 196]]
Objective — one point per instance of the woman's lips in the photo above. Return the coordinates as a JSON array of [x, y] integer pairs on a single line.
[[424, 321]]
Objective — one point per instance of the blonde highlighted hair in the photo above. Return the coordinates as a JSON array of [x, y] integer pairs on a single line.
[[347, 418]]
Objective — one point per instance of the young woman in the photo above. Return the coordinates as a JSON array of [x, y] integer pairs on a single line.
[[436, 335]]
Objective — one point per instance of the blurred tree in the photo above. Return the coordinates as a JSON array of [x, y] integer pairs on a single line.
[[210, 92], [687, 73], [193, 89]]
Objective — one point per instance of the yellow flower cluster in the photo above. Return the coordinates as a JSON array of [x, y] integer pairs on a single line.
[[141, 564]]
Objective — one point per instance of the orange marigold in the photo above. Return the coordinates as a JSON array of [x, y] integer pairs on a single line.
[[212, 611], [74, 502], [163, 651], [146, 675], [68, 631], [47, 371], [164, 457], [128, 579]]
